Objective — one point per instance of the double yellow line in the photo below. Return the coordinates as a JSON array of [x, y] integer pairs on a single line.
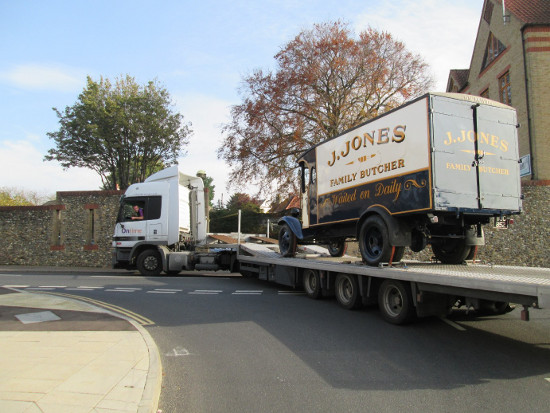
[[144, 321]]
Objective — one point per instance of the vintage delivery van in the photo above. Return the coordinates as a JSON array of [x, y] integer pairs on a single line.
[[432, 171]]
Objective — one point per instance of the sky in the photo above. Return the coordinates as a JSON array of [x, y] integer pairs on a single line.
[[198, 50]]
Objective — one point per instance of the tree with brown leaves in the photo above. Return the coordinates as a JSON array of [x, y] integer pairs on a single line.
[[326, 82]]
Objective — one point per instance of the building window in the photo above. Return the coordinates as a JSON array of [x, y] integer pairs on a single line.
[[485, 93], [488, 13], [494, 48], [505, 89]]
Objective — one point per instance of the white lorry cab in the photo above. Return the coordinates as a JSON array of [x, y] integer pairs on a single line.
[[432, 171], [159, 222]]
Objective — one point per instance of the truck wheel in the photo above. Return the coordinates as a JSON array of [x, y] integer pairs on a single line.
[[398, 254], [337, 248], [149, 263], [395, 302], [374, 242], [287, 241], [312, 283], [347, 291], [451, 250]]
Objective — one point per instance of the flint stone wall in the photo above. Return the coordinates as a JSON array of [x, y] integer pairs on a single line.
[[59, 234], [74, 230], [525, 243]]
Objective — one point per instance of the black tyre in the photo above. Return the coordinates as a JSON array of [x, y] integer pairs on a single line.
[[287, 241], [337, 248], [312, 283], [395, 302], [374, 242], [149, 263], [398, 254], [452, 250], [346, 289], [173, 272]]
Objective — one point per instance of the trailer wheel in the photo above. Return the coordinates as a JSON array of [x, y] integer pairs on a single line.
[[374, 242], [452, 250], [287, 241], [395, 302], [347, 291], [312, 283], [149, 263], [337, 248]]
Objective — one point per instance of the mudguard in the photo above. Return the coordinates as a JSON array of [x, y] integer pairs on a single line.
[[294, 225], [398, 231]]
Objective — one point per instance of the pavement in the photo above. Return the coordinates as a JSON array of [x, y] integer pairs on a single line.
[[65, 355]]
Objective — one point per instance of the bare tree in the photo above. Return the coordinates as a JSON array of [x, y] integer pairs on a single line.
[[326, 81]]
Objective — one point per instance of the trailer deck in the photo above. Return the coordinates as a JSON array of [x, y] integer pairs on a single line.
[[527, 286]]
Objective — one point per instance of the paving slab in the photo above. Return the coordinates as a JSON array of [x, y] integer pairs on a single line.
[[63, 355]]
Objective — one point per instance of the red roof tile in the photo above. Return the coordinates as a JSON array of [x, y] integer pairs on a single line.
[[529, 11]]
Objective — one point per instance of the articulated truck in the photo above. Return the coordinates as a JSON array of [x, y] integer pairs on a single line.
[[432, 171]]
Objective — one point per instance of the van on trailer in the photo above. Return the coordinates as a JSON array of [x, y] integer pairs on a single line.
[[432, 171]]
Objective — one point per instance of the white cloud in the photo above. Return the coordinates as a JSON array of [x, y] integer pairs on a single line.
[[442, 31], [44, 77], [22, 167], [207, 114]]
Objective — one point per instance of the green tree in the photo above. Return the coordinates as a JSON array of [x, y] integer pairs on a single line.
[[10, 196], [225, 219], [244, 202], [326, 81], [124, 132]]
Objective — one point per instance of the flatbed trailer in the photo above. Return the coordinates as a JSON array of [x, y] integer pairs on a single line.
[[401, 291]]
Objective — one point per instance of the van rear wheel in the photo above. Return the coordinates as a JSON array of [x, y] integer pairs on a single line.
[[337, 248], [452, 250]]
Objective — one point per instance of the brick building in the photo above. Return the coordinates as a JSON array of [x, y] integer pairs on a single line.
[[510, 63]]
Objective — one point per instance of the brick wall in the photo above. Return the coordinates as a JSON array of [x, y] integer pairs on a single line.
[[537, 54]]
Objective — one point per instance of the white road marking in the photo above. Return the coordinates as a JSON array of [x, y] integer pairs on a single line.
[[161, 292], [291, 292], [15, 286], [52, 286], [178, 351], [169, 289], [205, 292], [248, 292], [116, 290], [79, 289], [41, 288], [452, 324]]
